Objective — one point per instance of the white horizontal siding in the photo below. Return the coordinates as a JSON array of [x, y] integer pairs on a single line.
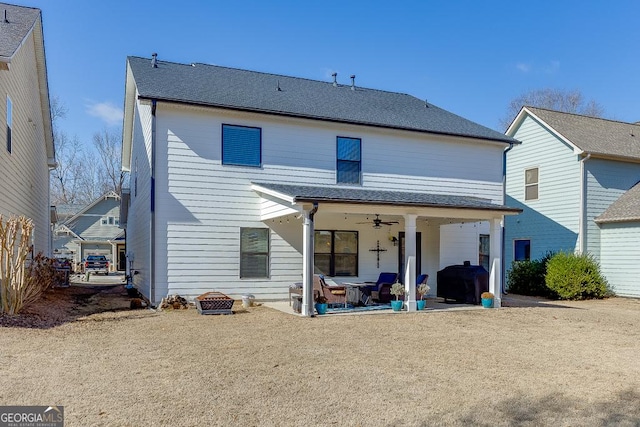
[[24, 174], [201, 204], [552, 221], [620, 257], [607, 180], [139, 215]]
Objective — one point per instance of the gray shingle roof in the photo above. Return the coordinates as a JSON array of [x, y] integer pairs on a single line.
[[21, 20], [625, 209], [596, 136], [212, 85], [308, 193]]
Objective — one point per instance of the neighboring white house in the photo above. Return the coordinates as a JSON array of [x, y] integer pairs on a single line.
[[26, 138], [92, 230], [567, 176], [241, 180]]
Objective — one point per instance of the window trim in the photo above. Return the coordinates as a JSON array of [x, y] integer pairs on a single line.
[[338, 160], [222, 161], [332, 253], [536, 184], [268, 254], [9, 119], [515, 241]]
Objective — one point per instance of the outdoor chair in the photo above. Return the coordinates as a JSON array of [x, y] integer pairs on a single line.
[[333, 294], [386, 289], [381, 289]]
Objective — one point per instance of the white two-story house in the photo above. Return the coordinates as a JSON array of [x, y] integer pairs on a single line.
[[245, 182], [26, 136]]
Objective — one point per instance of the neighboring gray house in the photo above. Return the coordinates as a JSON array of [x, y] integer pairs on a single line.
[[573, 176], [246, 182], [26, 137], [93, 230]]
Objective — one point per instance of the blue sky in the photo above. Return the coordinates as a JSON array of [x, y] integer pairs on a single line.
[[469, 57]]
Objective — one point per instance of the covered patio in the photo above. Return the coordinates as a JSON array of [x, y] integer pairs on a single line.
[[409, 214]]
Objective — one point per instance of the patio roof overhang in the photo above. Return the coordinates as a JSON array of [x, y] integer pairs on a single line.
[[285, 199]]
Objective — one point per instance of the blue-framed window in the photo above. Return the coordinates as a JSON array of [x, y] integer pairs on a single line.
[[9, 122], [349, 160], [522, 250], [241, 146]]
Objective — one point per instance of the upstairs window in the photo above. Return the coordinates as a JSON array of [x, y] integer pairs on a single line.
[[9, 122], [531, 184], [241, 146], [349, 160]]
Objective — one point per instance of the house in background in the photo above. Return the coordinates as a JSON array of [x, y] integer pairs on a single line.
[[575, 179], [92, 230], [26, 139], [246, 182]]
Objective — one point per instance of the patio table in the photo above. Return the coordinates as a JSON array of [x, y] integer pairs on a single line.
[[354, 293]]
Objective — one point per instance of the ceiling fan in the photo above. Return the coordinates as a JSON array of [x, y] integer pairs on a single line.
[[377, 222]]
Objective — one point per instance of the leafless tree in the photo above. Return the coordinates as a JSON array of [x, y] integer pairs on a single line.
[[571, 101], [66, 178], [108, 145]]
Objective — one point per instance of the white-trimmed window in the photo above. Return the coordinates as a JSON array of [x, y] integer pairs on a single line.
[[9, 123], [254, 253], [109, 220], [531, 177], [522, 250]]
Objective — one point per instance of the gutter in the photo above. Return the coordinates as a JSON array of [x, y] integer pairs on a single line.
[[152, 240], [582, 229], [326, 119]]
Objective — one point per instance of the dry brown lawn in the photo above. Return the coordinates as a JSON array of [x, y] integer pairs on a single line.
[[560, 364]]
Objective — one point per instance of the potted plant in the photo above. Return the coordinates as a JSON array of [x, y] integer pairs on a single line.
[[487, 299], [321, 304], [423, 289], [397, 289]]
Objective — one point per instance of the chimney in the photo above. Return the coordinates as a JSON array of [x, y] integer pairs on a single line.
[[154, 60], [353, 82], [335, 79]]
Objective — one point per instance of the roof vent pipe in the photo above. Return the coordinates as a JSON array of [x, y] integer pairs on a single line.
[[335, 79], [154, 60], [353, 82], [5, 17]]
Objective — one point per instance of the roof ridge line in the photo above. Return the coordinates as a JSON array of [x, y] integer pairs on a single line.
[[582, 115]]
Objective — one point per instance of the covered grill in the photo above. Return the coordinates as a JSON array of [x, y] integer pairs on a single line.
[[463, 283]]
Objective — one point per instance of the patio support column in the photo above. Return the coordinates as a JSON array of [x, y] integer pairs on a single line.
[[410, 261], [495, 265], [307, 261]]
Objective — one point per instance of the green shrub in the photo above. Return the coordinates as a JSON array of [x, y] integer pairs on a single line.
[[528, 277], [576, 276]]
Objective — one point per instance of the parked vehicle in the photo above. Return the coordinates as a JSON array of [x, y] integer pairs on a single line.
[[96, 264]]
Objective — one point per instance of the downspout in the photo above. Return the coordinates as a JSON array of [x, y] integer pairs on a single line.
[[503, 242], [152, 249], [582, 231]]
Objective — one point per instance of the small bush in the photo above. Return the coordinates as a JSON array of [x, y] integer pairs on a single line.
[[528, 277], [576, 276]]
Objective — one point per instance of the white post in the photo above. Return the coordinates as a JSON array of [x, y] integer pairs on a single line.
[[307, 261], [410, 284], [495, 256], [410, 261]]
